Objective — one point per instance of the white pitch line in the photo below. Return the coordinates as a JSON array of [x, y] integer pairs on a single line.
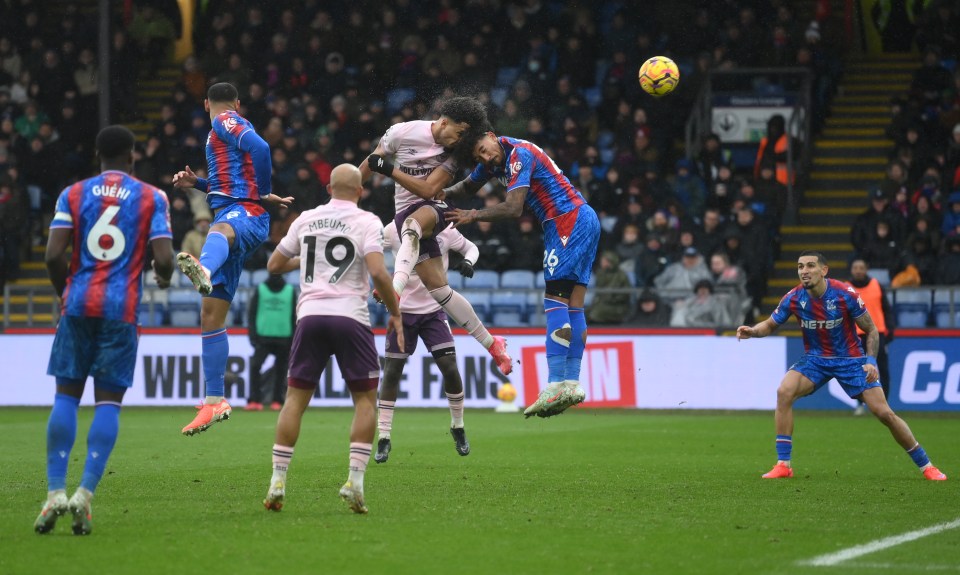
[[880, 544], [903, 567]]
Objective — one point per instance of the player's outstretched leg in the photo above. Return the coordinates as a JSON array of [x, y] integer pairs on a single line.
[[79, 506], [53, 508], [199, 275], [207, 415], [461, 311], [557, 396], [276, 491]]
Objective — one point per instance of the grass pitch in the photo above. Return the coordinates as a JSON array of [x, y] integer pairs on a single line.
[[588, 492]]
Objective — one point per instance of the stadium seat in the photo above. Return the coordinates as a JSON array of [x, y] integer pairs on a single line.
[[150, 314], [238, 307], [454, 279], [245, 278], [483, 279], [912, 307], [398, 97], [517, 279], [507, 319], [537, 317], [378, 314], [480, 300], [184, 306], [539, 282], [881, 275], [941, 308], [509, 301], [292, 277], [257, 277]]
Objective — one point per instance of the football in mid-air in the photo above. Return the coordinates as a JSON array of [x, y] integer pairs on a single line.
[[659, 76], [507, 393]]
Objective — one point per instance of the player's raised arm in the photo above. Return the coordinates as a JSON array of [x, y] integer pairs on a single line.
[[511, 207], [762, 329]]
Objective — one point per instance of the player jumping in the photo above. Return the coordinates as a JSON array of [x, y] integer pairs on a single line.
[[239, 167], [571, 233], [421, 150], [829, 311]]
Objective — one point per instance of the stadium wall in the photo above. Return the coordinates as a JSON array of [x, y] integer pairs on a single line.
[[621, 368]]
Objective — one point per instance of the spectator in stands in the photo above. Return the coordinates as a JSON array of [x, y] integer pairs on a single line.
[[708, 235], [754, 252], [772, 153], [193, 240], [13, 218], [154, 34], [689, 189], [712, 157], [723, 191], [948, 268], [494, 246], [610, 308], [865, 225], [306, 190], [931, 80], [652, 261], [652, 311], [921, 253], [874, 297], [679, 278], [527, 245], [951, 215], [629, 248], [930, 189], [702, 309], [952, 158], [924, 209], [883, 250]]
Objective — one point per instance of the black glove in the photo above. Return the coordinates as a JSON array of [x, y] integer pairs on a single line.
[[379, 164], [466, 269]]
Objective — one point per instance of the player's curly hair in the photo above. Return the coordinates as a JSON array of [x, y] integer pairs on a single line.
[[464, 109], [463, 152]]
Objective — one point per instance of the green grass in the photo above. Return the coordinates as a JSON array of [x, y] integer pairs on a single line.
[[592, 491]]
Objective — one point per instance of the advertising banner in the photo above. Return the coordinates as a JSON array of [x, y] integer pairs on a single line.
[[658, 372]]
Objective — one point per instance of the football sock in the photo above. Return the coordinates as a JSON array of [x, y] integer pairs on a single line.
[[385, 418], [281, 460], [100, 441], [216, 347], [459, 309], [578, 332], [919, 456], [558, 348], [455, 401], [407, 254], [784, 447], [215, 251], [359, 457], [61, 433]]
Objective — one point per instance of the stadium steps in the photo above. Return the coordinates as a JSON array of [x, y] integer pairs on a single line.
[[32, 302], [151, 94], [848, 159]]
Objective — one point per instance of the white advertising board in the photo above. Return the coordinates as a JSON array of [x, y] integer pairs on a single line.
[[659, 372]]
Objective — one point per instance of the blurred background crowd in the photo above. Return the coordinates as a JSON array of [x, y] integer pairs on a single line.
[[322, 83]]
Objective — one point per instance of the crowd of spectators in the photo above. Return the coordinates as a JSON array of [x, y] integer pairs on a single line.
[[911, 229], [322, 84]]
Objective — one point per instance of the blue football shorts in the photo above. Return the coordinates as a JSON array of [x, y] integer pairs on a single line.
[[570, 245], [251, 224], [105, 349], [848, 371]]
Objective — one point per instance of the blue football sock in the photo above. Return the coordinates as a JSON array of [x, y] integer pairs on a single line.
[[558, 317], [216, 348], [784, 447], [919, 456], [578, 325], [215, 251], [100, 441], [61, 432]]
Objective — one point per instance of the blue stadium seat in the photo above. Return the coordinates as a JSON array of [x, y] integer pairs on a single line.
[[398, 97], [480, 300], [483, 279], [912, 307], [507, 319], [245, 278], [882, 275], [184, 306], [509, 301], [148, 318], [257, 277], [517, 279], [539, 281], [455, 280], [941, 308], [537, 317], [292, 278]]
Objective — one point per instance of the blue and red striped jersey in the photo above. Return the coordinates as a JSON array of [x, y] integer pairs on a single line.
[[231, 173], [828, 322], [112, 216], [551, 194]]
